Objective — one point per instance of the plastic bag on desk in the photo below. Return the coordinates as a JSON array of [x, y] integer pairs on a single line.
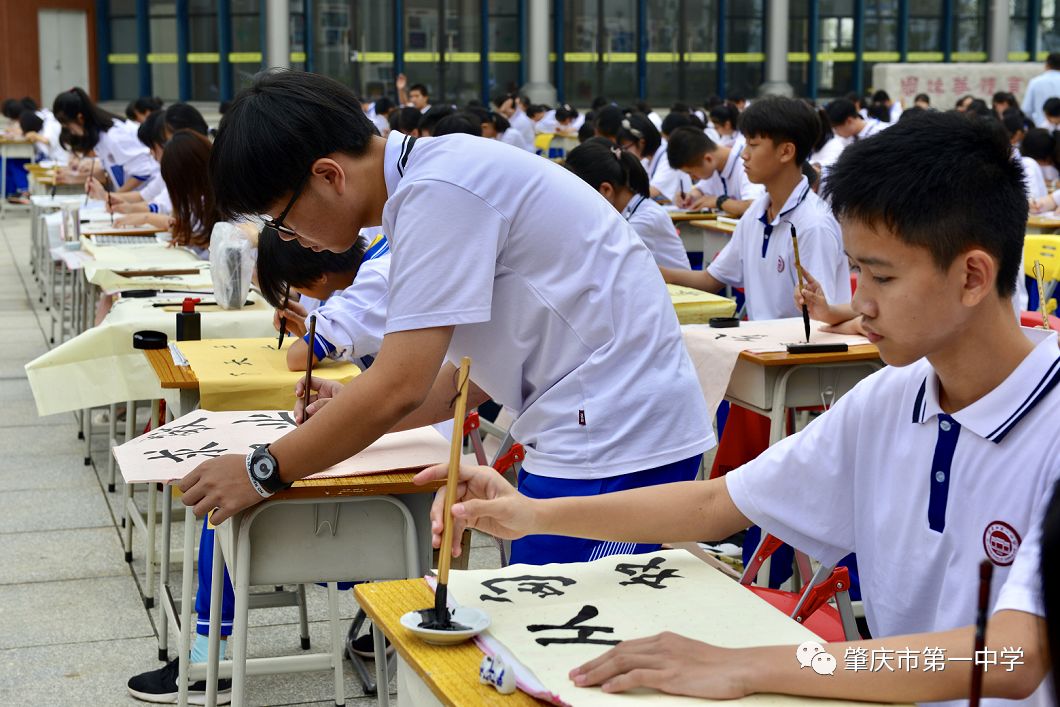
[[231, 265]]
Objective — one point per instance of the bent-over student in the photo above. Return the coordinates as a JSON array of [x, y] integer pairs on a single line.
[[722, 182], [586, 349]]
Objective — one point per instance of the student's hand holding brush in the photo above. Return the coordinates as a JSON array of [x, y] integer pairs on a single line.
[[321, 392], [840, 318], [98, 192], [295, 314]]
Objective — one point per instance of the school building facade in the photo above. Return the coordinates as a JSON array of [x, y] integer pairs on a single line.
[[572, 50]]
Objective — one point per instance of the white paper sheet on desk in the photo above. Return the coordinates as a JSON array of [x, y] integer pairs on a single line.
[[174, 449], [690, 598], [714, 351]]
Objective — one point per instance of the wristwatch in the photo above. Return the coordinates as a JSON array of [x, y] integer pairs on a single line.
[[719, 201], [264, 472]]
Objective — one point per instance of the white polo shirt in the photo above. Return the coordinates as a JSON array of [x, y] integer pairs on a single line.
[[760, 257], [123, 155], [521, 122], [921, 496], [351, 323], [731, 179], [1033, 178], [655, 227], [554, 297], [669, 181]]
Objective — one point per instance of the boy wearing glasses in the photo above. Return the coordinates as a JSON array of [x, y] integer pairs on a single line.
[[526, 269]]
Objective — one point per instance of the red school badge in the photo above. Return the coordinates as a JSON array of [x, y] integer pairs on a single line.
[[1001, 542]]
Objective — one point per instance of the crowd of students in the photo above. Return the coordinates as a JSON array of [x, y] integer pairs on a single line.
[[418, 233]]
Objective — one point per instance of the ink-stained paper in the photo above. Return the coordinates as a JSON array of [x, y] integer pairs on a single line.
[[251, 374], [169, 452], [714, 352], [100, 366], [552, 618]]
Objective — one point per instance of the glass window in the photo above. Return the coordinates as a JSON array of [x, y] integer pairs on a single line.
[[666, 43], [799, 46], [504, 58], [163, 55], [700, 65], [125, 76], [925, 26], [1018, 13], [423, 46], [746, 37], [462, 47], [970, 29], [835, 47], [247, 29], [203, 59], [1049, 27], [601, 50]]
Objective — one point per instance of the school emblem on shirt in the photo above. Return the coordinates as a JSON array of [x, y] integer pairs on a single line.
[[780, 264], [1001, 542]]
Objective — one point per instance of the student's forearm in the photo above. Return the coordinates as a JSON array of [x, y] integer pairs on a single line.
[[736, 207], [698, 279], [775, 670], [130, 184], [438, 406], [687, 511], [296, 356]]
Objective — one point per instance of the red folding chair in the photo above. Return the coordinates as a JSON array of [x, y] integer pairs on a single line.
[[810, 606], [1034, 319]]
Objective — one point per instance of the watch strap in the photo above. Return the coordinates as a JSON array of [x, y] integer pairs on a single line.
[[250, 474]]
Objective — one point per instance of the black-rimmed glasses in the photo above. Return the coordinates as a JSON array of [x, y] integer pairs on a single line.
[[277, 223]]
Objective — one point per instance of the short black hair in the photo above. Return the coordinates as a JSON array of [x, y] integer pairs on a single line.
[[1052, 107], [12, 108], [1038, 144], [599, 102], [609, 121], [143, 104], [912, 111], [152, 132], [467, 123], [184, 116], [408, 119], [420, 88], [680, 107], [687, 146], [979, 107], [922, 98], [881, 96], [1053, 61], [782, 119], [275, 130], [536, 109], [963, 158], [586, 132], [737, 97], [566, 112], [384, 105], [432, 117], [282, 263], [1003, 97], [840, 111], [725, 113], [880, 112], [30, 122], [599, 160], [1014, 122], [673, 121]]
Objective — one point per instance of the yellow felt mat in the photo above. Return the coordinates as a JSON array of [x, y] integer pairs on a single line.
[[250, 374], [697, 307]]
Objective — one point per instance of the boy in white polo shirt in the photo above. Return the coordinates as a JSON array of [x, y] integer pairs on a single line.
[[721, 182], [928, 467], [586, 349], [780, 133]]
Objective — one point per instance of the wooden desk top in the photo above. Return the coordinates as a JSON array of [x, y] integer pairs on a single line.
[[451, 672], [1043, 221], [859, 352], [170, 375], [677, 216], [713, 225]]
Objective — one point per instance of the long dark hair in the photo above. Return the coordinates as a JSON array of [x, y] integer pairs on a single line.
[[186, 172], [70, 104], [598, 160]]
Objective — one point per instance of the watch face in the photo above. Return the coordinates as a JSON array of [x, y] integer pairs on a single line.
[[263, 468]]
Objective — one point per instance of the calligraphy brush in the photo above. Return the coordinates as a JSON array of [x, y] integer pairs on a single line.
[[309, 366], [283, 319], [798, 272], [110, 209], [1039, 276], [986, 574], [91, 171], [438, 618]]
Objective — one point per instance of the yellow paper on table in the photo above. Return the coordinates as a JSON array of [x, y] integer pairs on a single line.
[[251, 374], [698, 307]]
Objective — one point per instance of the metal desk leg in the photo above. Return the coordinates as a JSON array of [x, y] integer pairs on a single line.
[[86, 433], [336, 642], [186, 602], [241, 581], [212, 657], [152, 517], [382, 676], [163, 571]]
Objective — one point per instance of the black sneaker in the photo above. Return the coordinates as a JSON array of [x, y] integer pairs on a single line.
[[364, 645], [160, 686]]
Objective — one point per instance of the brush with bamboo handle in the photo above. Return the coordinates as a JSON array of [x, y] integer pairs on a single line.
[[798, 273], [1039, 277], [438, 617]]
